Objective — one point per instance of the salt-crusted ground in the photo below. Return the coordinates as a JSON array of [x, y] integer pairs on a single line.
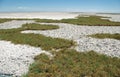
[[110, 47], [41, 15], [15, 59], [55, 15], [114, 17], [14, 24]]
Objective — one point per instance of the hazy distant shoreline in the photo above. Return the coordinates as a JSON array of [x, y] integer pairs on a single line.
[[41, 15], [55, 15], [63, 12]]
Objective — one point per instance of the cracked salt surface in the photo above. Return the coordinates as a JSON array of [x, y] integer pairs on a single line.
[[110, 47], [15, 59]]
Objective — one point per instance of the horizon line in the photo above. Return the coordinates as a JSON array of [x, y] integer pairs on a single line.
[[53, 11]]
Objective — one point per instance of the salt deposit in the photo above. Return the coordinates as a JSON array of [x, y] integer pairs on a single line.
[[41, 15], [14, 24], [113, 17], [15, 59]]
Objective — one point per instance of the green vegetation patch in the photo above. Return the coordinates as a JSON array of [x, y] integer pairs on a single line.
[[80, 20], [89, 21], [102, 36], [48, 20], [69, 63], [37, 40], [4, 20], [35, 26]]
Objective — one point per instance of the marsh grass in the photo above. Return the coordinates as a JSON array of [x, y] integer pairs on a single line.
[[37, 40], [34, 26], [4, 20], [89, 21], [48, 21], [102, 36], [70, 63], [80, 20]]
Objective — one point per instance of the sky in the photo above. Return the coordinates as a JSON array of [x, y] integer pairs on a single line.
[[112, 6]]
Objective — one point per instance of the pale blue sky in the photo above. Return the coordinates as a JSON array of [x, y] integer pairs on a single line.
[[60, 5]]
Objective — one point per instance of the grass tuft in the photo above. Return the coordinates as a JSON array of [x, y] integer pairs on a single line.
[[4, 20], [48, 20], [91, 21], [102, 36], [34, 26]]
